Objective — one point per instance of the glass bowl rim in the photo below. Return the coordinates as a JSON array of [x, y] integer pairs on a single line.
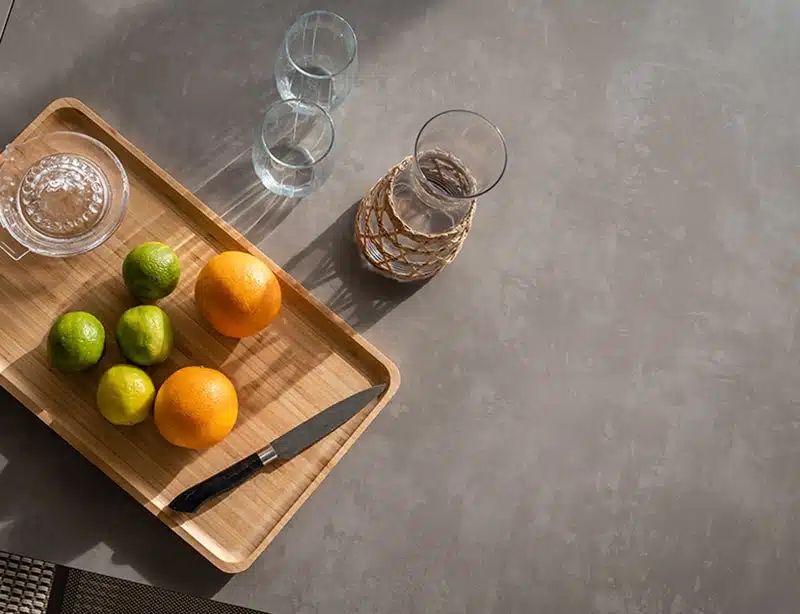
[[54, 250]]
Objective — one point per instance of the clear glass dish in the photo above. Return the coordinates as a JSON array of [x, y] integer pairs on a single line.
[[61, 194]]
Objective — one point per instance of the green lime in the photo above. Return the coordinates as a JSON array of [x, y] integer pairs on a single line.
[[76, 341], [125, 395], [151, 271], [144, 335]]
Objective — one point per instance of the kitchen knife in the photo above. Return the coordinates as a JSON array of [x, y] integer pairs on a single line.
[[284, 447]]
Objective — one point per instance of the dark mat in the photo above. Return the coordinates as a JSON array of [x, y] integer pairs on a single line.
[[29, 586]]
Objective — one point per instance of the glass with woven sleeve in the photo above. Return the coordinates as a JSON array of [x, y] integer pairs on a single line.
[[415, 219]]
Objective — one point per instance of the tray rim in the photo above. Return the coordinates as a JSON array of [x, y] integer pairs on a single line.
[[391, 372]]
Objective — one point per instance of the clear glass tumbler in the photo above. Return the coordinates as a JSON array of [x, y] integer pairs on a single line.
[[318, 60], [292, 150]]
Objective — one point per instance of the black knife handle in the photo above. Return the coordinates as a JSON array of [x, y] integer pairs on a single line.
[[192, 498]]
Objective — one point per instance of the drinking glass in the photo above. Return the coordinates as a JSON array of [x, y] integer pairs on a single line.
[[318, 60], [292, 150]]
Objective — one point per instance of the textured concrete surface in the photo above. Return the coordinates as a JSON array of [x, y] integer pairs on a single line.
[[601, 401]]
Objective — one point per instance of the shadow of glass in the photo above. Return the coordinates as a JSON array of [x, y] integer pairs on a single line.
[[332, 268], [238, 196], [187, 81]]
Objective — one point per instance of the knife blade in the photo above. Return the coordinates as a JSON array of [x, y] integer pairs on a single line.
[[286, 446]]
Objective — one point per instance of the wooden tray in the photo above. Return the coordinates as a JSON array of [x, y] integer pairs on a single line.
[[303, 362]]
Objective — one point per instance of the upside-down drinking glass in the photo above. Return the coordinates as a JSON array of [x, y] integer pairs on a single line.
[[318, 60], [292, 150]]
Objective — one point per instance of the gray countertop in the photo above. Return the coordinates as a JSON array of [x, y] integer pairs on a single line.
[[601, 399]]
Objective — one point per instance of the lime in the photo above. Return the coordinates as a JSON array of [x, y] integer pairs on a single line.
[[76, 341], [144, 335], [125, 395], [151, 271]]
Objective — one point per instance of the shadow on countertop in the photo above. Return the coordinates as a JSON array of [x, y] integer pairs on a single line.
[[332, 268], [56, 506], [187, 81], [238, 196]]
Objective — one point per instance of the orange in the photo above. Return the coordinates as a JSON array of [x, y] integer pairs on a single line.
[[238, 294], [195, 407]]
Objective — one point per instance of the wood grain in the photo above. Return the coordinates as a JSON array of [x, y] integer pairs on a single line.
[[303, 362]]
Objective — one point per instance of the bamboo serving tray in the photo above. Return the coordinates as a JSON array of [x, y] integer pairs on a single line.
[[307, 359]]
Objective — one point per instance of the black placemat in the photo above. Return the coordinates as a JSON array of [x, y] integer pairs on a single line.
[[25, 584], [29, 586]]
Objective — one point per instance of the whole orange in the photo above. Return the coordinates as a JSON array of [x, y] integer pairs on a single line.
[[238, 294], [195, 407]]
